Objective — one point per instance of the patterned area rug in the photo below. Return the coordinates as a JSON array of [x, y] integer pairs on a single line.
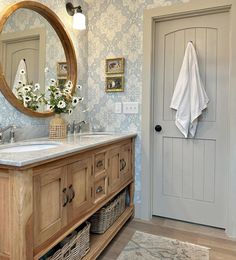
[[145, 246]]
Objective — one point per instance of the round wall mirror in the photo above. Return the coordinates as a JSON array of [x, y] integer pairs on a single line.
[[34, 48]]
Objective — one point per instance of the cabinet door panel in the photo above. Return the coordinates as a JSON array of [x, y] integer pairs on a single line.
[[49, 213], [114, 169], [125, 162], [79, 178], [120, 166]]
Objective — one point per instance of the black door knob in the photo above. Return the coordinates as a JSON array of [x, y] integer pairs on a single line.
[[158, 128]]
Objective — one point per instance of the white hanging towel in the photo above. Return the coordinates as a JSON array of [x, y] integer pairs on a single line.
[[19, 76], [189, 98]]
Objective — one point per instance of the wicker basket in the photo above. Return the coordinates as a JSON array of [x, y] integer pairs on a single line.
[[108, 214], [76, 248], [57, 128]]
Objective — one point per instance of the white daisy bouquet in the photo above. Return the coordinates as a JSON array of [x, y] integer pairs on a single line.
[[61, 98], [29, 94]]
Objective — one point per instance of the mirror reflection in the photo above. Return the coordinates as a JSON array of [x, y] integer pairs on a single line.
[[31, 55]]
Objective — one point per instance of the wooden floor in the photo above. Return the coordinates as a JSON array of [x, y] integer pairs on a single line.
[[221, 246]]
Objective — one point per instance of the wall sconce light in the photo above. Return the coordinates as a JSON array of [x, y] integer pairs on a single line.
[[79, 20]]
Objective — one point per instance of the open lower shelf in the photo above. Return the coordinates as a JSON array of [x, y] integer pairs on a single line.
[[99, 242]]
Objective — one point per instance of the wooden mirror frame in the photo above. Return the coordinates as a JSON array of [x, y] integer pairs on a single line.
[[66, 42]]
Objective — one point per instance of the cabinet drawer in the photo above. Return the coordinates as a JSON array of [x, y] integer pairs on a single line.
[[99, 162], [100, 188]]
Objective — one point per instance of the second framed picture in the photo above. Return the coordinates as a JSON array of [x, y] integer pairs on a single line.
[[115, 83]]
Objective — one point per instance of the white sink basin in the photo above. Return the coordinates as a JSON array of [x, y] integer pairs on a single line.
[[28, 147]]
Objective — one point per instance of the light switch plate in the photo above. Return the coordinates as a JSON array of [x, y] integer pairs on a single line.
[[130, 107]]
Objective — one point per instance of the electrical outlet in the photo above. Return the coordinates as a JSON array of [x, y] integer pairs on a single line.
[[118, 107], [130, 107]]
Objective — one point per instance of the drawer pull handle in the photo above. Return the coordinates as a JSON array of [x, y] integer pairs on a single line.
[[72, 193], [99, 164], [122, 164], [65, 197], [99, 189]]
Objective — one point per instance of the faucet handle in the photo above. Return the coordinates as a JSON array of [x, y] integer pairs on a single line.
[[12, 134], [68, 129]]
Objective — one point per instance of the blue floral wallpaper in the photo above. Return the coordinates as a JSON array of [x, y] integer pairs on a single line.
[[8, 114], [116, 30]]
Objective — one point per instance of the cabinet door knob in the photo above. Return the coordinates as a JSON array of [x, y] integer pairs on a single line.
[[72, 193], [65, 198]]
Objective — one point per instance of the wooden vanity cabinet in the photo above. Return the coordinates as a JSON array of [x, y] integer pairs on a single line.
[[45, 202]]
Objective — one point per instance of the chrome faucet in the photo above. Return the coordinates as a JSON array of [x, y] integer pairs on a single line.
[[12, 133], [76, 126]]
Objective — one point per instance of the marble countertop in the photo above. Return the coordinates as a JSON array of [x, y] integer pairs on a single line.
[[73, 143]]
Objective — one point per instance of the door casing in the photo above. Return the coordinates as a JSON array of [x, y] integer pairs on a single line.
[[193, 8]]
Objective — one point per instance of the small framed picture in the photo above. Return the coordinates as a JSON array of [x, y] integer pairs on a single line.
[[115, 84], [115, 66], [62, 69], [61, 82]]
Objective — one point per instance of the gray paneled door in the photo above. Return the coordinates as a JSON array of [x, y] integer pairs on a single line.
[[190, 175]]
